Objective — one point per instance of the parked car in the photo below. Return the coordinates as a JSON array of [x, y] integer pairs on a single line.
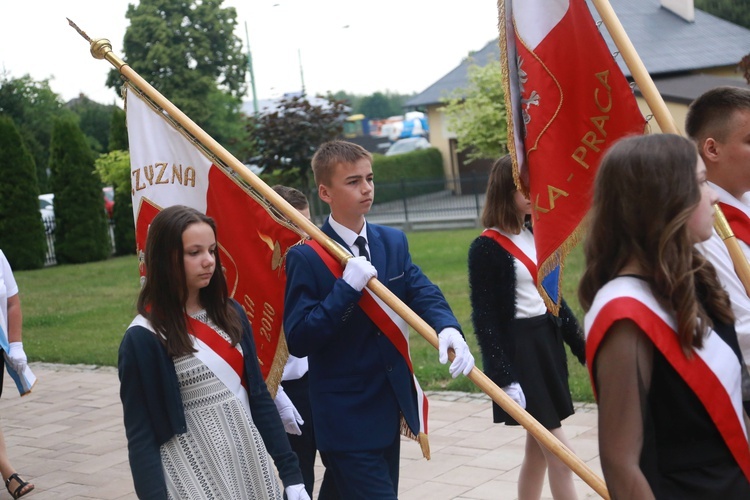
[[47, 207], [109, 200], [408, 145]]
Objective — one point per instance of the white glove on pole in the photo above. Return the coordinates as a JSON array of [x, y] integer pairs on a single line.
[[464, 361], [514, 392], [358, 272], [17, 357], [290, 417], [296, 492]]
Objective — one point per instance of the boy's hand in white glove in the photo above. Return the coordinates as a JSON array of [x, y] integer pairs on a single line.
[[358, 272]]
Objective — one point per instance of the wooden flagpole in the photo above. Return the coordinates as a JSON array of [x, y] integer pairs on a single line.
[[102, 49], [666, 123]]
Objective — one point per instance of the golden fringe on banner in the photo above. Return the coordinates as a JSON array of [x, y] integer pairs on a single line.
[[422, 439]]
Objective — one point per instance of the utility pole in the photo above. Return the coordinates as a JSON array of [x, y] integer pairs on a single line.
[[252, 75], [301, 73]]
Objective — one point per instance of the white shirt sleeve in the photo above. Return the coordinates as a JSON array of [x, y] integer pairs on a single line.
[[8, 288]]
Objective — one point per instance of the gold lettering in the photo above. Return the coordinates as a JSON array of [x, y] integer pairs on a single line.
[[266, 322], [177, 174], [554, 193], [190, 176], [249, 307], [148, 173], [602, 77], [579, 155], [590, 140], [162, 167], [599, 122], [538, 208], [138, 185], [603, 109]]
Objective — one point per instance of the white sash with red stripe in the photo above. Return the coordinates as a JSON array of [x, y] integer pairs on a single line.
[[514, 247], [737, 213], [713, 374], [221, 367], [396, 329]]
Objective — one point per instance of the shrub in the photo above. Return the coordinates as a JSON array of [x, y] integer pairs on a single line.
[[114, 169], [22, 236], [81, 232], [426, 165]]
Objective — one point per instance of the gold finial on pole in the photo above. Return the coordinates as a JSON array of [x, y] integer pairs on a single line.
[[101, 48]]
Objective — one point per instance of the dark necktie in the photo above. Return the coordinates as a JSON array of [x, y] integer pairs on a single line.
[[361, 243]]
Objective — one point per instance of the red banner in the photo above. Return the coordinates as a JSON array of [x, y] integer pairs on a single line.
[[168, 169], [568, 102]]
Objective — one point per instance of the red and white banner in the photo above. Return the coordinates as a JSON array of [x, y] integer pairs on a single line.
[[168, 169], [567, 103]]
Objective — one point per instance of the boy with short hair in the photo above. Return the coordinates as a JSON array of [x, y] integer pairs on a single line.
[[719, 123], [362, 391]]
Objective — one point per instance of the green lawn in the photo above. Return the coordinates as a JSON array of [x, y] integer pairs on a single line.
[[78, 313]]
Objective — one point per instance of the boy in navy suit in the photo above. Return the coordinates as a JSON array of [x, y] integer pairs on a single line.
[[362, 392]]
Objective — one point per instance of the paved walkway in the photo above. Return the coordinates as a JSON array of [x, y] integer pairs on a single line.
[[68, 438]]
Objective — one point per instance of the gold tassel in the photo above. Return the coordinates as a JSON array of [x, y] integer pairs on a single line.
[[424, 443]]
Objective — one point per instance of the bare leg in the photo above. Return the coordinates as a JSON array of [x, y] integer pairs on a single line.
[[533, 468], [560, 475], [6, 469]]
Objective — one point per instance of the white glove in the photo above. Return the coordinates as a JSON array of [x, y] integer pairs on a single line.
[[16, 356], [290, 417], [296, 492], [464, 361], [514, 392], [358, 272]]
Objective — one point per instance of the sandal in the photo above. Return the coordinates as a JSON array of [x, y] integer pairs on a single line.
[[18, 492]]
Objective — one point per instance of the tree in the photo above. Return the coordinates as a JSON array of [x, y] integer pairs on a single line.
[[33, 106], [188, 51], [745, 68], [382, 105], [287, 138], [94, 120], [118, 131], [114, 169], [734, 11], [477, 113], [21, 231], [81, 233], [351, 100]]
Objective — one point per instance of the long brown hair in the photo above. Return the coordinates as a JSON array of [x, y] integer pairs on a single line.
[[644, 193], [163, 296], [500, 208]]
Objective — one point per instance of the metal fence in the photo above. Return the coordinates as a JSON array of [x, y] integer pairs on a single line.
[[410, 205], [50, 259], [421, 205]]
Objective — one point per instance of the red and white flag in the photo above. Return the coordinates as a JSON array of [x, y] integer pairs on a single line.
[[168, 169], [567, 102]]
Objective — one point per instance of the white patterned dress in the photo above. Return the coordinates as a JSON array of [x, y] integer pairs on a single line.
[[222, 455]]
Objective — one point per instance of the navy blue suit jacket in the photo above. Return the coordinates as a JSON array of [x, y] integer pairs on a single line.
[[359, 383]]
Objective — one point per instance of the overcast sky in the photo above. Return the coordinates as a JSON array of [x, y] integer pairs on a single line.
[[352, 45]]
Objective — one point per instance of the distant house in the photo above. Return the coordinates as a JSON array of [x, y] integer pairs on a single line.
[[686, 51]]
